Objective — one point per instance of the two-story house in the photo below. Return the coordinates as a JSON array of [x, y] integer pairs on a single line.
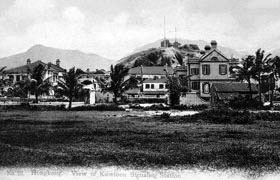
[[52, 71], [153, 89], [211, 66], [150, 72]]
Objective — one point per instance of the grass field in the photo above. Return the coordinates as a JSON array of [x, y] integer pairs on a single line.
[[92, 138]]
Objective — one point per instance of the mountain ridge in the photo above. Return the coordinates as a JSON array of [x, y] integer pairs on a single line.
[[229, 52], [68, 58]]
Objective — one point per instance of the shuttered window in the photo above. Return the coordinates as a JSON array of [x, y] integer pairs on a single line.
[[206, 69], [223, 69]]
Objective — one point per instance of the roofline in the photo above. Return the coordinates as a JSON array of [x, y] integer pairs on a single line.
[[212, 52]]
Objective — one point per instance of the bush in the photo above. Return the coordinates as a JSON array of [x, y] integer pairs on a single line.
[[142, 100], [100, 107], [245, 103], [165, 115], [218, 116], [27, 106], [156, 108], [192, 107]]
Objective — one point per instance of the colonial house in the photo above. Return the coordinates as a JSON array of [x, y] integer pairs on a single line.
[[153, 89], [90, 81], [98, 73], [224, 92], [208, 67], [52, 71], [150, 72]]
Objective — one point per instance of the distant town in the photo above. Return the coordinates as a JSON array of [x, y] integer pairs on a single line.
[[173, 74]]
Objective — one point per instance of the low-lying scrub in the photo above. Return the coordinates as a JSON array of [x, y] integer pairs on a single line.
[[219, 116], [100, 107], [228, 116], [191, 107], [27, 106]]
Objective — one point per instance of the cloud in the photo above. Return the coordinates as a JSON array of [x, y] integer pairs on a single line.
[[114, 29], [73, 14]]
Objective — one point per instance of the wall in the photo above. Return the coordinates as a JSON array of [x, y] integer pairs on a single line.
[[191, 99], [156, 87]]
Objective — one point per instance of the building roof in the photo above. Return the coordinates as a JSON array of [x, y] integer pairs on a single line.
[[151, 70], [29, 67], [210, 52], [133, 91], [233, 87], [162, 80]]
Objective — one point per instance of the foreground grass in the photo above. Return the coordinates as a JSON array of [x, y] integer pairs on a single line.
[[93, 138]]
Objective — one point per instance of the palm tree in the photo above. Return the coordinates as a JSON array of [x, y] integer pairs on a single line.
[[2, 75], [245, 72], [274, 68], [37, 83], [175, 88], [260, 66], [118, 85], [70, 85]]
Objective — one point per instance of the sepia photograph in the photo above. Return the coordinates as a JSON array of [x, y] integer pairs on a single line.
[[140, 89]]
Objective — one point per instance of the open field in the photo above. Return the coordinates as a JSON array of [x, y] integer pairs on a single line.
[[91, 138]]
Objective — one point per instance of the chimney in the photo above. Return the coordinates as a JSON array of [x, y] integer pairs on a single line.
[[49, 65], [207, 48], [57, 62], [28, 61], [87, 70], [214, 44]]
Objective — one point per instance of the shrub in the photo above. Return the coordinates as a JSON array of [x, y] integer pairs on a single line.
[[165, 115], [100, 107], [219, 116], [191, 107], [27, 106], [156, 107], [245, 103]]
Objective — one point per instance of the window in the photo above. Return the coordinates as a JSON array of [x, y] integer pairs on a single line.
[[195, 85], [194, 71], [147, 86], [152, 86], [214, 59], [17, 77], [206, 88], [206, 69], [161, 86], [223, 69]]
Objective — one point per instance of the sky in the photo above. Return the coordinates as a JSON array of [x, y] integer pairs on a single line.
[[114, 28]]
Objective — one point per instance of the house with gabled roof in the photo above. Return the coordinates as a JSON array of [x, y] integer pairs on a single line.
[[211, 67], [152, 89], [224, 92], [150, 72], [52, 71]]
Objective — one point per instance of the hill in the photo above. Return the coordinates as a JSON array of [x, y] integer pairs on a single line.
[[229, 52], [68, 58]]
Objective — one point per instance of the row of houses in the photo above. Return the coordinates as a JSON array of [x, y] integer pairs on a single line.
[[207, 71], [203, 69]]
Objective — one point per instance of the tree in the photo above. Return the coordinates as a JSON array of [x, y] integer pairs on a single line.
[[37, 83], [274, 68], [70, 85], [260, 67], [118, 85], [175, 88], [2, 81], [245, 72]]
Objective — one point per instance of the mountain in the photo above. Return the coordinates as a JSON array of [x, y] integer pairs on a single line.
[[153, 54], [68, 58], [153, 57], [275, 52], [229, 52]]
